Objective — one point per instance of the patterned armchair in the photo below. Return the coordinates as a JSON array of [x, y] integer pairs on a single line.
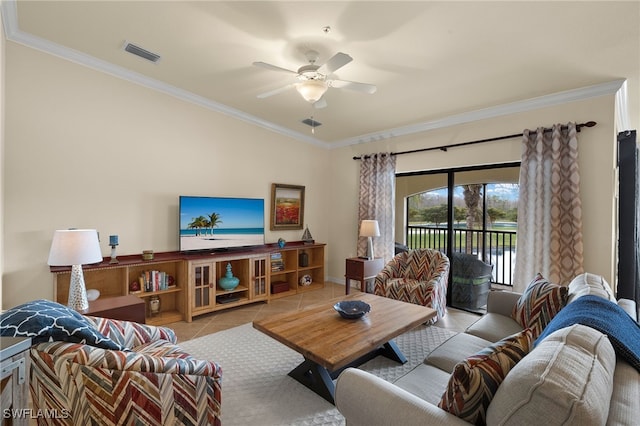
[[417, 276], [155, 383]]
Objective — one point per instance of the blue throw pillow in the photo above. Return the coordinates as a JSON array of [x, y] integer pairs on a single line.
[[44, 321]]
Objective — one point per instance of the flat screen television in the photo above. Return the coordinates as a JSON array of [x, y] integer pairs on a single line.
[[220, 223]]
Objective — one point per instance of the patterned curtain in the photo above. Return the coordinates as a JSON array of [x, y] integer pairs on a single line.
[[549, 208], [377, 202]]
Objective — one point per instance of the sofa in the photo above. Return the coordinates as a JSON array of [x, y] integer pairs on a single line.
[[571, 375], [88, 370]]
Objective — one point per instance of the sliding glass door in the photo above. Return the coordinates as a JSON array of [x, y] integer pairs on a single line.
[[470, 215]]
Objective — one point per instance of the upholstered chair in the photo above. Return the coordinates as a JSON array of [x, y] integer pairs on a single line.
[[153, 382], [417, 276]]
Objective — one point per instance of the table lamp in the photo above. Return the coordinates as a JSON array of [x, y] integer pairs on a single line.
[[75, 247], [369, 229]]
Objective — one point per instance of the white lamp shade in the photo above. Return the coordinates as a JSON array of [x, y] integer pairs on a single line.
[[312, 90], [369, 228], [74, 247]]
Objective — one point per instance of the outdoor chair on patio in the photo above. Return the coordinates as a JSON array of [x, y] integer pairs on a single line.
[[417, 276], [471, 281]]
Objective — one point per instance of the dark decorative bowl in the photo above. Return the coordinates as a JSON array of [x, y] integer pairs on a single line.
[[352, 309]]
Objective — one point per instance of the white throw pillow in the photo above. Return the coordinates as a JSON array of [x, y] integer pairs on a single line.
[[566, 379]]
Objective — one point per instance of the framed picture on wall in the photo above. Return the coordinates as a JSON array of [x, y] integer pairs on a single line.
[[287, 206]]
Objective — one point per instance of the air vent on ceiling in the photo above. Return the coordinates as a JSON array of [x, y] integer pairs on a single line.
[[311, 123], [143, 53]]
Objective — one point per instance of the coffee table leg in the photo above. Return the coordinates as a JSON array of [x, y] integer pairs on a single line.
[[392, 351], [316, 378]]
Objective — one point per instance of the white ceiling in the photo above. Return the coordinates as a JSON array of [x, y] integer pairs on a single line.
[[434, 63]]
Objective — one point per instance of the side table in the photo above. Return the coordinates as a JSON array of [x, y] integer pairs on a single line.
[[14, 364], [124, 308], [361, 270]]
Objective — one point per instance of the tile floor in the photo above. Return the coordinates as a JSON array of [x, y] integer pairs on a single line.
[[455, 319]]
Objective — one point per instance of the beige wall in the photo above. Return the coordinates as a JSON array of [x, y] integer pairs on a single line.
[[596, 157], [84, 149]]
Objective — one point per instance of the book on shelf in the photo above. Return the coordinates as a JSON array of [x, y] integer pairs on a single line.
[[277, 264], [155, 281]]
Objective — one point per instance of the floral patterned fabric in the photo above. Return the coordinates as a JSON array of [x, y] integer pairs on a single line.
[[418, 276], [156, 383]]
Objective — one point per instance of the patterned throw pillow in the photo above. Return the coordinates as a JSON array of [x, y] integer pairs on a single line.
[[475, 380], [44, 321], [539, 303]]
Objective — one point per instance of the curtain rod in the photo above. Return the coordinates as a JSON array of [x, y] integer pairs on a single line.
[[498, 138]]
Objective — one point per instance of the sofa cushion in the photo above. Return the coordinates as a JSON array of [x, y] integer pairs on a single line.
[[493, 327], [475, 380], [460, 346], [625, 400], [539, 303], [587, 283], [45, 321], [566, 379], [425, 381]]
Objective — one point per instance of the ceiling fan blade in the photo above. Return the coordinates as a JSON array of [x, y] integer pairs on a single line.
[[320, 103], [275, 91], [273, 67], [353, 85], [335, 62]]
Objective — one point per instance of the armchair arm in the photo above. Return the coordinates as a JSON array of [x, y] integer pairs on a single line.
[[174, 361], [629, 307], [364, 399], [387, 272], [97, 386], [502, 302], [131, 334]]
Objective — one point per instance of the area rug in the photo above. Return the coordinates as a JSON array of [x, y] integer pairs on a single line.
[[256, 389]]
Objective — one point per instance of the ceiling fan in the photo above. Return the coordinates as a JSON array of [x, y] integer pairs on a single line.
[[314, 80]]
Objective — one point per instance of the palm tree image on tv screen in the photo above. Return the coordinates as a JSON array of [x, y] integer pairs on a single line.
[[210, 223], [204, 225]]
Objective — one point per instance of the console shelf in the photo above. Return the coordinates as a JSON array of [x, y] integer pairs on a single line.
[[192, 278]]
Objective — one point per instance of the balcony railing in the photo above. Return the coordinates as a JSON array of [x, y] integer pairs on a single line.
[[491, 246]]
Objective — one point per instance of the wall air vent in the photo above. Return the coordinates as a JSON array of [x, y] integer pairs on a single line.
[[143, 53], [311, 123]]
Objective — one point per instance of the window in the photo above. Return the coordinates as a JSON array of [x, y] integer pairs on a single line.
[[481, 204]]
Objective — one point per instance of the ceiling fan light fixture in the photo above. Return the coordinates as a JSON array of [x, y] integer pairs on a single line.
[[312, 90]]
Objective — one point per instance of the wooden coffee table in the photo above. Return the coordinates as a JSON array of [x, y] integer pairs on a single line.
[[330, 343]]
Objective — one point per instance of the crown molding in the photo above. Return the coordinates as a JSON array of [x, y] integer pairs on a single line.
[[13, 33], [609, 88]]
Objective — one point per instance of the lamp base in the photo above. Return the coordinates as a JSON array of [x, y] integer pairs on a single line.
[[77, 291], [113, 255], [369, 248]]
